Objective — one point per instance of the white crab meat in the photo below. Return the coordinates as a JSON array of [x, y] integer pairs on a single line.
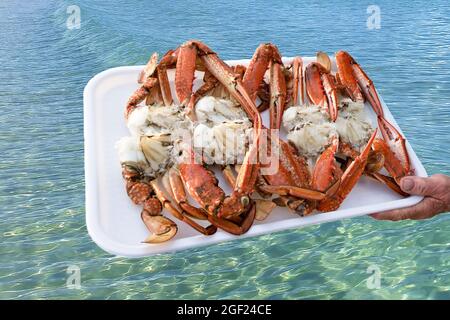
[[156, 119], [212, 110], [161, 134], [309, 129], [137, 120], [203, 140], [222, 131], [352, 123], [225, 143], [147, 154], [232, 139], [167, 118], [130, 152], [156, 150]]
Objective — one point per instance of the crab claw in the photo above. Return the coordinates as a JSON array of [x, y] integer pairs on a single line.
[[261, 60], [325, 170], [394, 149], [185, 70], [298, 192], [389, 182], [368, 89], [162, 228], [329, 84], [149, 69], [321, 88], [347, 78], [348, 180], [356, 81], [297, 66], [314, 85]]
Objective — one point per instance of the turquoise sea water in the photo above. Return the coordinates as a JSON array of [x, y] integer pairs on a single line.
[[44, 67]]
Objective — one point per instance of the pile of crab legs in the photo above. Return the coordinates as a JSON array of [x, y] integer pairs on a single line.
[[296, 187]]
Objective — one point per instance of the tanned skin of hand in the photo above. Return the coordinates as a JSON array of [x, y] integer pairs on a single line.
[[436, 192]]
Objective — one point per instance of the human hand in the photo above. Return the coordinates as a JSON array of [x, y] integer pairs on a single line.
[[436, 190]]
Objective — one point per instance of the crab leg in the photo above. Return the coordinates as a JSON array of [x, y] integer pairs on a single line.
[[325, 169], [263, 206], [294, 191], [346, 76], [245, 185], [232, 227], [258, 66], [267, 56], [203, 187], [179, 194], [139, 95], [356, 82], [368, 89], [292, 169], [321, 88], [378, 156], [239, 70], [329, 84], [264, 96], [389, 182], [297, 66], [209, 83], [149, 69], [164, 85], [166, 203], [348, 179], [234, 85], [154, 96], [391, 162], [169, 60], [229, 176], [155, 83], [394, 150], [277, 94], [185, 69], [314, 85], [323, 180], [263, 90]]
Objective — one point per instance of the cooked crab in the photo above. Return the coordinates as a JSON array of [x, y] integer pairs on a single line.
[[214, 123], [323, 129]]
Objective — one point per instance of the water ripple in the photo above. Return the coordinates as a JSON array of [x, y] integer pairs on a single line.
[[45, 67]]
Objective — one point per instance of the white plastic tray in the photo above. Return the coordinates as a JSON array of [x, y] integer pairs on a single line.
[[114, 222]]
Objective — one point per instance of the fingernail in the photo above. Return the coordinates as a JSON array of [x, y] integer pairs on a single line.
[[407, 184]]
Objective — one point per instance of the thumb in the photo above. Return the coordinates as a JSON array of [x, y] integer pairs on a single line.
[[417, 185]]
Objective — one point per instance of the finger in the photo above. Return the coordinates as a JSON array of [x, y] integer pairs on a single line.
[[426, 208], [418, 185]]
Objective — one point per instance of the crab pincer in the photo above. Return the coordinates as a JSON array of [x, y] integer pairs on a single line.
[[348, 180], [356, 82], [321, 88]]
